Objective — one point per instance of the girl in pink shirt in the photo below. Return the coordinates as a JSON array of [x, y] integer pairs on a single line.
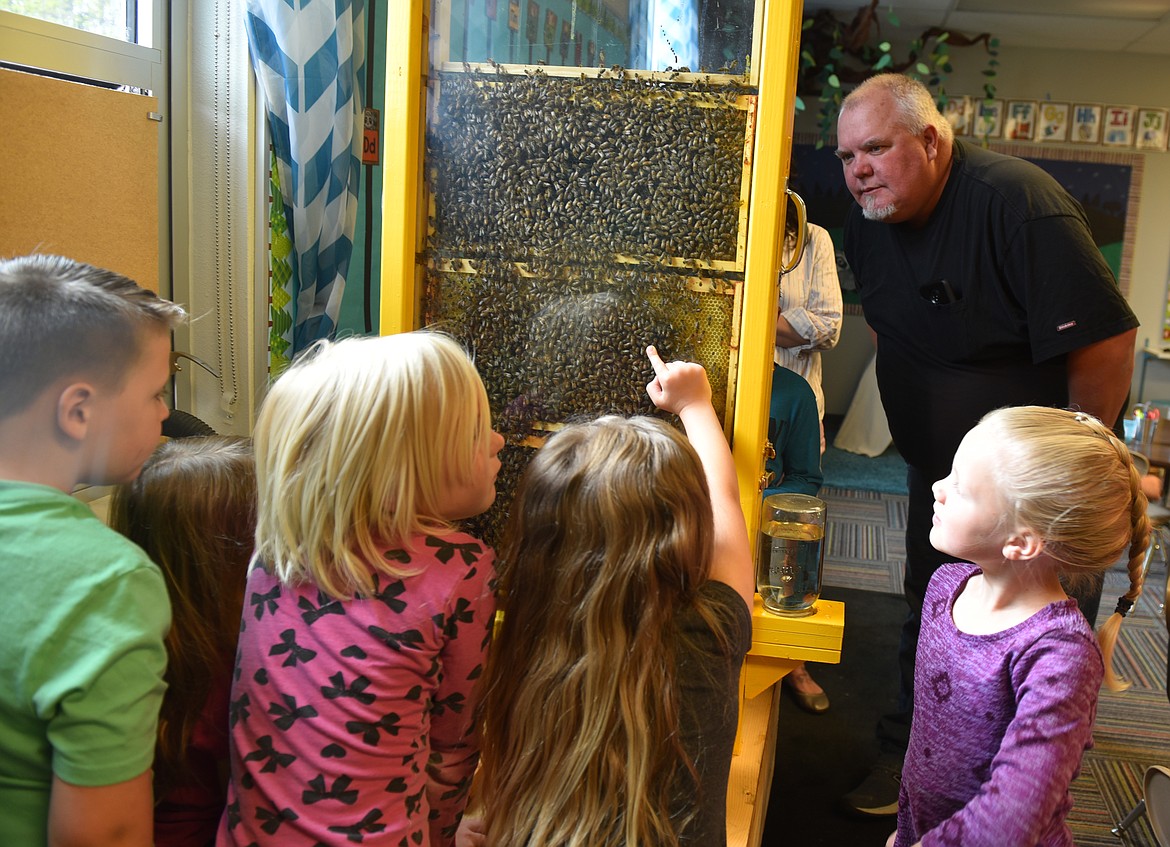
[[367, 613]]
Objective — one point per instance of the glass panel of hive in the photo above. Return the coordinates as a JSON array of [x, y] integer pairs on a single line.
[[715, 35], [574, 217]]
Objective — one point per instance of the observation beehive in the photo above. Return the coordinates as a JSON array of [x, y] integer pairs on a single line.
[[566, 217]]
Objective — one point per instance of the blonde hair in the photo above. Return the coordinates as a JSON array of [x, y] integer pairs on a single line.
[[1069, 478], [610, 538], [914, 105], [193, 510], [355, 444]]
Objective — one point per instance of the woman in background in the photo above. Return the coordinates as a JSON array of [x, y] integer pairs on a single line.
[[808, 321]]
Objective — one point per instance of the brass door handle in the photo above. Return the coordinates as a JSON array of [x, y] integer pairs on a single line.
[[801, 230]]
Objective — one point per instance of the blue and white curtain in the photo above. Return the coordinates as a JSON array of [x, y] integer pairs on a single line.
[[309, 57]]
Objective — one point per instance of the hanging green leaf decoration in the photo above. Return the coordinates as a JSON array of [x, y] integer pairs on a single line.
[[836, 55]]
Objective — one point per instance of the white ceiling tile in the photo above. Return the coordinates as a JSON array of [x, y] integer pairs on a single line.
[[1156, 41], [1148, 10], [1136, 26], [1070, 33]]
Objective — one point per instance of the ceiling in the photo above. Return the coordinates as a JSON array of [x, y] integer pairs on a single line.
[[1116, 26]]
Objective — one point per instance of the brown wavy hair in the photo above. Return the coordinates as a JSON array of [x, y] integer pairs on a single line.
[[193, 510], [610, 538]]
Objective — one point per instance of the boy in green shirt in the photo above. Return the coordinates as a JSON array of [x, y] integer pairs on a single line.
[[85, 359]]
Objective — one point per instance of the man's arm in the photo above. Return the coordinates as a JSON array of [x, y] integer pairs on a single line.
[[120, 815], [1099, 376]]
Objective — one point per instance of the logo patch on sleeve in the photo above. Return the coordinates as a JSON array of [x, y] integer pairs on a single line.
[[1066, 325]]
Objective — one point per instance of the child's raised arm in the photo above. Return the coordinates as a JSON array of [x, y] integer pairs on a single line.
[[682, 388]]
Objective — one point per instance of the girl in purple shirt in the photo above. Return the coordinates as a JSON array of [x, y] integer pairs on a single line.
[[1008, 669]]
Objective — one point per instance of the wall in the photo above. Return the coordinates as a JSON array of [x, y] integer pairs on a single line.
[[1081, 76]]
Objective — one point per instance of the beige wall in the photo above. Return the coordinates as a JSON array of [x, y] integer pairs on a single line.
[[1075, 76]]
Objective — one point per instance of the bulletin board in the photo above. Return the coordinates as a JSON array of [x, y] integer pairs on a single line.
[[79, 174]]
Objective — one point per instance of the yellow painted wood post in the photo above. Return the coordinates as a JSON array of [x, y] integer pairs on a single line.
[[406, 31], [778, 54]]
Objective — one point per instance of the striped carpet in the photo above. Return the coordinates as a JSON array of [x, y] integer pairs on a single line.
[[866, 550]]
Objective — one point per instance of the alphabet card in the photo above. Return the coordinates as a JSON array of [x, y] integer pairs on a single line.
[[1020, 123], [957, 110], [988, 119], [1118, 129], [1151, 129], [1086, 123], [1052, 121]]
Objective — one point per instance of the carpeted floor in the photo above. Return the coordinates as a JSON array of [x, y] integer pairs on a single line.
[[843, 469], [821, 757], [885, 473]]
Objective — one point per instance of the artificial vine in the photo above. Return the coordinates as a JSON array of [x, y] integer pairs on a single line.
[[835, 54]]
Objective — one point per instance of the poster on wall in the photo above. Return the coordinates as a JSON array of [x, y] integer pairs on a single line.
[[957, 110], [1052, 121], [1117, 127], [1151, 129], [988, 119], [532, 24], [550, 34], [1020, 120], [1086, 123]]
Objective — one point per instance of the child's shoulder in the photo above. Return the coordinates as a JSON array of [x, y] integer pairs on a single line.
[[38, 513], [1064, 620], [446, 558], [952, 575]]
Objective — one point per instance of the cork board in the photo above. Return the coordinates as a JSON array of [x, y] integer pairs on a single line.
[[79, 174]]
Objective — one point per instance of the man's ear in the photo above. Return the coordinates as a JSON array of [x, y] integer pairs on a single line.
[[75, 410], [1024, 544], [930, 139]]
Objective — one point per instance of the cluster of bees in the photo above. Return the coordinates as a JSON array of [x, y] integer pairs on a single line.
[[569, 218], [602, 166]]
